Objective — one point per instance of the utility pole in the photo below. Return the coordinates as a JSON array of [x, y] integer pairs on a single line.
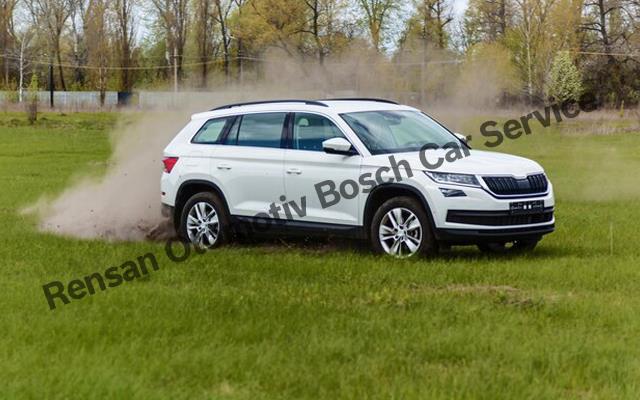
[[21, 84], [175, 70], [423, 74], [51, 85], [240, 61]]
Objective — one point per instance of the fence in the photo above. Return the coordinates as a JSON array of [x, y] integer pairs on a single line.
[[67, 99], [167, 100], [142, 99]]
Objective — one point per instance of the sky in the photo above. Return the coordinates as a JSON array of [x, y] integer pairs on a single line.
[[459, 7]]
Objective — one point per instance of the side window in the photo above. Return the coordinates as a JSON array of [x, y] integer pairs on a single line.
[[261, 130], [211, 131], [310, 130]]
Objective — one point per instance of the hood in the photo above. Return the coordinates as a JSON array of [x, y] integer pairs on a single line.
[[478, 162]]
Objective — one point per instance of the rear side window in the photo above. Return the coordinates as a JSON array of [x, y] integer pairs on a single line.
[[258, 130], [232, 137], [310, 130], [211, 132]]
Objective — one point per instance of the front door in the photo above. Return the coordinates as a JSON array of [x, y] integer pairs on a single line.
[[314, 179]]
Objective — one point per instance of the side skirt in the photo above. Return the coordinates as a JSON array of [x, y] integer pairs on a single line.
[[263, 226]]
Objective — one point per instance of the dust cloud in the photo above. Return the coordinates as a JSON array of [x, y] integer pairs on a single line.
[[124, 204]]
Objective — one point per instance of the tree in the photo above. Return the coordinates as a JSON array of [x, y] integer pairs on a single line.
[[125, 32], [428, 24], [487, 20], [174, 19], [97, 38], [315, 9], [528, 37], [222, 10], [52, 16], [273, 23], [434, 16], [240, 58], [425, 41], [608, 27], [323, 26], [376, 15], [565, 82], [23, 39], [7, 8], [204, 26], [78, 18], [487, 77]]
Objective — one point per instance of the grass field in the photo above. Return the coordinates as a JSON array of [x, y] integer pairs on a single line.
[[269, 321]]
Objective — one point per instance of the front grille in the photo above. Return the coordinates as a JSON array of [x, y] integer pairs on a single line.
[[499, 218], [510, 186]]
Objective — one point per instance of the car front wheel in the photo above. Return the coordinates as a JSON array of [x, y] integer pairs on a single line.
[[400, 228]]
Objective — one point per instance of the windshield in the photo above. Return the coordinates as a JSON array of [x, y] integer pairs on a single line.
[[386, 132]]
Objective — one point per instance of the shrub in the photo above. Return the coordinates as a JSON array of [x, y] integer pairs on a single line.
[[565, 82]]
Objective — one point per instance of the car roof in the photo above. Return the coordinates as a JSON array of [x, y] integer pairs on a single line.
[[337, 106]]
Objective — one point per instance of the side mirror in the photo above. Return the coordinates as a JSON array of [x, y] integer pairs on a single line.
[[338, 146], [461, 137]]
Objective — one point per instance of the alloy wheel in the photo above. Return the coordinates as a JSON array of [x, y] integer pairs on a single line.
[[400, 233], [203, 225]]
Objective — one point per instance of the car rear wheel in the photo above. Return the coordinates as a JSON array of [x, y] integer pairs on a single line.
[[204, 221], [400, 228]]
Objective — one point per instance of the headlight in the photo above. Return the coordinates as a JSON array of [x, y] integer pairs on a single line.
[[453, 179]]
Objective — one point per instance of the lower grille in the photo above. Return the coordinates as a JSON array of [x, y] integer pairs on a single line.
[[498, 218], [510, 186]]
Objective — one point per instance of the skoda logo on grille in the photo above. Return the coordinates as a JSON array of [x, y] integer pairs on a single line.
[[523, 184]]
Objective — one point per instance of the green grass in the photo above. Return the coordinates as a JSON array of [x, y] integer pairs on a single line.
[[251, 322]]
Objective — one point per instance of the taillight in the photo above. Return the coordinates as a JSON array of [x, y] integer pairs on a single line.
[[169, 163]]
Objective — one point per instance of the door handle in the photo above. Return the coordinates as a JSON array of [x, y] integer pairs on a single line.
[[294, 171], [225, 167]]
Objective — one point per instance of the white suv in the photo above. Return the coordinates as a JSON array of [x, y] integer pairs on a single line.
[[365, 168]]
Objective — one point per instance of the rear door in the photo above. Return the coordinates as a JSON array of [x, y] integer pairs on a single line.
[[307, 165], [250, 163]]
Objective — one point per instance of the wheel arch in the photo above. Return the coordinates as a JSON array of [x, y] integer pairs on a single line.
[[191, 187], [384, 192]]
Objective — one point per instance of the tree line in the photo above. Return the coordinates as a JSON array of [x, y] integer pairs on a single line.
[[499, 51]]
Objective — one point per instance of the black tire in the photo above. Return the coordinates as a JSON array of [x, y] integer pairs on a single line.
[[516, 247], [224, 230], [428, 245]]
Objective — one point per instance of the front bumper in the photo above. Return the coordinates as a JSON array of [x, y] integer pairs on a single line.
[[481, 217], [475, 236], [501, 218]]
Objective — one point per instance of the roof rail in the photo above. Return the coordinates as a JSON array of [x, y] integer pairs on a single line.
[[363, 99], [252, 103]]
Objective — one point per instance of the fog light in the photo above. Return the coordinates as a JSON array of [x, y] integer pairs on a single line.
[[452, 192]]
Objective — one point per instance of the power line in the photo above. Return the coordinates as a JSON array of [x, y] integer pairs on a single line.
[[107, 67], [196, 64], [595, 53], [258, 59]]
